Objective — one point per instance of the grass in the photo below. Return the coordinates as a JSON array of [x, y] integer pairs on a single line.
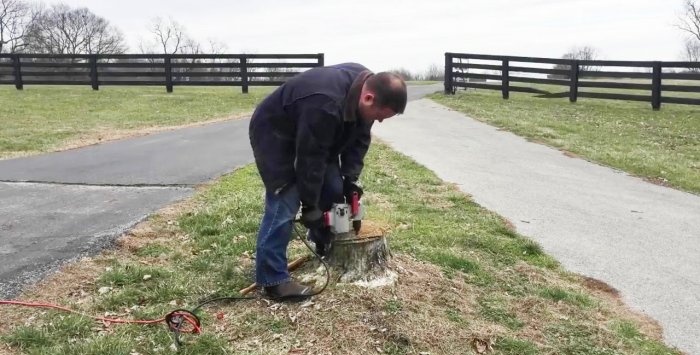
[[423, 82], [464, 278], [47, 118], [661, 146]]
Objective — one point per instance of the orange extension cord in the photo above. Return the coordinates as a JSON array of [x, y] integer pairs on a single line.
[[175, 319]]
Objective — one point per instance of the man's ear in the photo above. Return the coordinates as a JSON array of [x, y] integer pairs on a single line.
[[368, 98]]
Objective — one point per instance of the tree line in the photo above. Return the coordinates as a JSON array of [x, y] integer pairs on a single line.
[[27, 27]]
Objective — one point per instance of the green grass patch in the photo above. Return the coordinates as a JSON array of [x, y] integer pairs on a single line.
[[455, 316], [452, 261], [393, 307], [633, 338], [494, 309], [44, 118], [663, 146], [510, 346], [423, 82], [153, 250], [558, 294], [27, 337]]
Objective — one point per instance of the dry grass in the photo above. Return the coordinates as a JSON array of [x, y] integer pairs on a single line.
[[42, 119], [107, 134], [424, 311]]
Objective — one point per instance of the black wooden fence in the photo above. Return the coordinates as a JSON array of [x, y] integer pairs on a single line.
[[494, 72], [168, 70]]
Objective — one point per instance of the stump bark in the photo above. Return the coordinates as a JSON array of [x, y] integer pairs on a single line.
[[360, 257]]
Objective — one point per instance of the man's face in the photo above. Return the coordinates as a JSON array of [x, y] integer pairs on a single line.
[[371, 111]]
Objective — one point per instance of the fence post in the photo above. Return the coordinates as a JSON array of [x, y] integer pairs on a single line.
[[573, 87], [168, 73], [505, 79], [19, 85], [321, 60], [656, 87], [93, 72], [449, 89], [244, 74]]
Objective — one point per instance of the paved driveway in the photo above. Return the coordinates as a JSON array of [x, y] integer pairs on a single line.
[[641, 238]]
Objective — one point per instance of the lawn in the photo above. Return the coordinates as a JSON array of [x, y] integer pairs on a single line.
[[47, 118], [467, 283]]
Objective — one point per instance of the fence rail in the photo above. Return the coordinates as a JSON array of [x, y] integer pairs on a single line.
[[167, 70], [494, 72]]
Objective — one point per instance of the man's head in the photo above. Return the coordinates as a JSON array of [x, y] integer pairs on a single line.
[[383, 95]]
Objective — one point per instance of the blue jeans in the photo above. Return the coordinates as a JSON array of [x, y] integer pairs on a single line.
[[276, 227]]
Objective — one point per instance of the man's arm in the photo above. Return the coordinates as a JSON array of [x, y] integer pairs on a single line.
[[317, 123], [352, 158]]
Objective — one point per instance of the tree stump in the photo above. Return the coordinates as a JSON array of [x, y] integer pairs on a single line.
[[360, 257]]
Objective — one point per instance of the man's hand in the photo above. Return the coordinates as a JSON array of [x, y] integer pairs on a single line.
[[311, 217], [350, 187]]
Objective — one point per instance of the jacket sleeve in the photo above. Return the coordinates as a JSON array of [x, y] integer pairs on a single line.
[[352, 158], [318, 118]]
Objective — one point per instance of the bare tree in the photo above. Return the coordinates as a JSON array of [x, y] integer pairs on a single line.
[[576, 53], [691, 53], [216, 47], [583, 53], [62, 30], [404, 73], [15, 17], [690, 20], [168, 37], [434, 73], [190, 46]]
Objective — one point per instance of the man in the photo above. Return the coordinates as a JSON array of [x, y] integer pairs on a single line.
[[309, 138]]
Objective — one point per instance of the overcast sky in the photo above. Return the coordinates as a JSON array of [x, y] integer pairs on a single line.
[[412, 34]]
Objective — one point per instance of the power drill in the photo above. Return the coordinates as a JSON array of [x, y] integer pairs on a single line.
[[342, 215]]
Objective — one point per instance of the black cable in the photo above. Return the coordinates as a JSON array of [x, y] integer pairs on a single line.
[[320, 258], [175, 321]]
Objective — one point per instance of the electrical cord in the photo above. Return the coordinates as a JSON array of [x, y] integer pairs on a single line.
[[180, 320]]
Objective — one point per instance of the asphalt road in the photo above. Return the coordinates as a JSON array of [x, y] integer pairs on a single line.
[[641, 238], [60, 206]]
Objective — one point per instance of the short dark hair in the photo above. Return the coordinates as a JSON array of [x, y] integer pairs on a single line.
[[389, 90]]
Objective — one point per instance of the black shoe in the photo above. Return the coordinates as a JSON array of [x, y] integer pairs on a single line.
[[289, 291]]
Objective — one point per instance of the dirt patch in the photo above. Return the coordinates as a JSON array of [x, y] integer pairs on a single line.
[[619, 309], [6, 350], [509, 225], [599, 286], [657, 181], [536, 312], [347, 319], [570, 154]]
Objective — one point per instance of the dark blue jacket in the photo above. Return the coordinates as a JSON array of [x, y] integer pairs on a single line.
[[308, 122]]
